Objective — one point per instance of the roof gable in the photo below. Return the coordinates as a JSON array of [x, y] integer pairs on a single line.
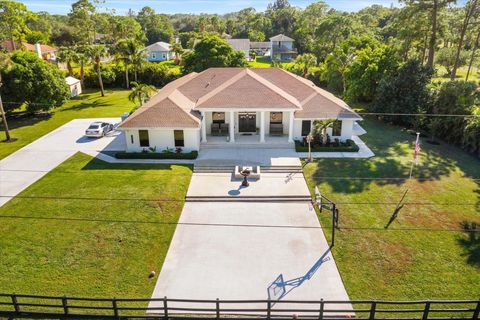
[[281, 37], [159, 46]]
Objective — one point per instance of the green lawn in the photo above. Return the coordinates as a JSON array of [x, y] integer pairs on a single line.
[[89, 228], [461, 74], [88, 105], [260, 62], [424, 254]]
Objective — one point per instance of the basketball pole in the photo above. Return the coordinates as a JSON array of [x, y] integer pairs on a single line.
[[414, 160]]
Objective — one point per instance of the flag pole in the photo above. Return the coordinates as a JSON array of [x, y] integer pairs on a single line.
[[414, 160]]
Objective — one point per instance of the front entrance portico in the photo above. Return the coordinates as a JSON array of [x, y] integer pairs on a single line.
[[232, 125]]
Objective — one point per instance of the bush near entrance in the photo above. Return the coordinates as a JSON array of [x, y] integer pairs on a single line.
[[153, 155], [347, 146]]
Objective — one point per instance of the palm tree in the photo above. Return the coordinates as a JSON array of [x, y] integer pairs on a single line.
[[67, 56], [178, 51], [320, 128], [96, 53], [129, 52], [306, 61], [138, 61], [82, 58], [4, 62], [140, 92]]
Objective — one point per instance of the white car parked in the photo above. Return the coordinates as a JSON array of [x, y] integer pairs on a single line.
[[98, 129]]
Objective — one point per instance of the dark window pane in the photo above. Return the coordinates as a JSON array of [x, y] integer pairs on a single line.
[[179, 139], [143, 136], [131, 138], [337, 128], [306, 127], [218, 117], [276, 117]]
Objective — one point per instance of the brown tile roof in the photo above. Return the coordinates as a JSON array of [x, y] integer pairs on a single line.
[[178, 103], [7, 45]]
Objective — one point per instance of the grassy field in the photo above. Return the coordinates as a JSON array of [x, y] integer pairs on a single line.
[[88, 105], [461, 74], [89, 228], [422, 252], [260, 62]]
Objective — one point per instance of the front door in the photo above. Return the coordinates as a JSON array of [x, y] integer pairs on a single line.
[[247, 122]]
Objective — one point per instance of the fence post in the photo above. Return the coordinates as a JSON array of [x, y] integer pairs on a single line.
[[373, 308], [269, 308], [476, 313], [217, 305], [320, 313], [333, 225], [65, 305], [426, 310], [115, 307], [15, 303], [165, 308]]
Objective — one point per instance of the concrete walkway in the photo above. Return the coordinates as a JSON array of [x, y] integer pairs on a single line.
[[235, 249]]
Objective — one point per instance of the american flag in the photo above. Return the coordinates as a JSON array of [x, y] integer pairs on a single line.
[[417, 148]]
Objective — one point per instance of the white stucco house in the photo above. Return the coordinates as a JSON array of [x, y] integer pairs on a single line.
[[233, 105], [241, 45], [282, 49], [75, 86], [159, 51]]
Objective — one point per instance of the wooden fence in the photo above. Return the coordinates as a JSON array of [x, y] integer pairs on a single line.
[[14, 306]]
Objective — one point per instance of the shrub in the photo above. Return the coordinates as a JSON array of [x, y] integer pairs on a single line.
[[154, 155], [337, 146]]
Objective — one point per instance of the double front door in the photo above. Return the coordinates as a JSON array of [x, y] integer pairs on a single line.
[[247, 122]]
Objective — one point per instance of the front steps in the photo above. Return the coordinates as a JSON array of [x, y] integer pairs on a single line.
[[263, 146], [263, 169]]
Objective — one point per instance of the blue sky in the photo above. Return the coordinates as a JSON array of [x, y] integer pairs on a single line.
[[196, 6]]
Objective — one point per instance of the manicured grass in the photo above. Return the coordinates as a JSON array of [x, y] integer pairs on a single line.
[[89, 228], [424, 253], [461, 74], [260, 62], [88, 105]]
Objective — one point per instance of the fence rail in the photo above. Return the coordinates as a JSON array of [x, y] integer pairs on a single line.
[[14, 306]]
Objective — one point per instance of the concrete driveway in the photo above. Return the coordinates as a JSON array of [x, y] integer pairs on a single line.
[[234, 249], [24, 167]]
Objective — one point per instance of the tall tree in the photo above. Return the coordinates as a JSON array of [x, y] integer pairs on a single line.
[[96, 53], [4, 62], [433, 7], [82, 58], [471, 9], [13, 17], [140, 92], [82, 18]]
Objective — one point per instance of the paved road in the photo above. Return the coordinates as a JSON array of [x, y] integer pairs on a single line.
[[235, 250], [27, 165]]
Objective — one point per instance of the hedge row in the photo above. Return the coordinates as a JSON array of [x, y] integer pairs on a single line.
[[157, 155], [113, 75], [348, 146]]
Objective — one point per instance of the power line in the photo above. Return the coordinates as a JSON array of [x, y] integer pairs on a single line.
[[237, 225]]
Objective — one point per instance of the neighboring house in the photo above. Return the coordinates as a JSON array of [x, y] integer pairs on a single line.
[[260, 48], [74, 85], [233, 103], [44, 51], [241, 45], [159, 51], [281, 48]]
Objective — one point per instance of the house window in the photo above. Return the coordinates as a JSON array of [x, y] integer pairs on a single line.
[[276, 117], [163, 56], [218, 117], [154, 56], [306, 127], [143, 137], [131, 138], [337, 128], [179, 138]]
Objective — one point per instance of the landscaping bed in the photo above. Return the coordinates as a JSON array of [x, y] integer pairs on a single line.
[[348, 146], [157, 155]]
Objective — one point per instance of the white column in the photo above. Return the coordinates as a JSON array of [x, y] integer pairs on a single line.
[[231, 127], [204, 127], [290, 127], [262, 126]]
